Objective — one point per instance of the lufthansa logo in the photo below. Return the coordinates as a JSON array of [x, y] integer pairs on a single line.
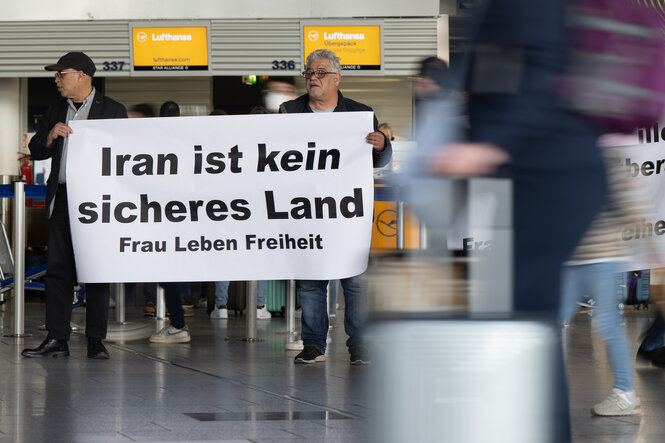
[[142, 37], [313, 35], [386, 223]]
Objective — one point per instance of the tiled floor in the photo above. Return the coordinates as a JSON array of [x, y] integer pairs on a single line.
[[220, 388]]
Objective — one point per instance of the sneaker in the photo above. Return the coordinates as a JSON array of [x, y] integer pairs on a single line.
[[310, 355], [296, 345], [170, 334], [590, 303], [262, 313], [618, 404], [79, 298], [149, 310], [656, 357], [202, 303], [220, 311], [359, 355], [188, 311]]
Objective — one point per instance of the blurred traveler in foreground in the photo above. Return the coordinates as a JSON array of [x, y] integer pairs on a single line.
[[520, 117], [440, 120], [558, 175], [323, 74]]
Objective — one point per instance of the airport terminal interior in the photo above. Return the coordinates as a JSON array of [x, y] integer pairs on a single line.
[[236, 380]]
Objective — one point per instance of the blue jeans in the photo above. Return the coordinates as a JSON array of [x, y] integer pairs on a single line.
[[313, 300], [222, 292], [173, 302], [601, 282]]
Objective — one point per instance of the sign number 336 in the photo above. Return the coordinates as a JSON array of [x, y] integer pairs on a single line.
[[283, 65]]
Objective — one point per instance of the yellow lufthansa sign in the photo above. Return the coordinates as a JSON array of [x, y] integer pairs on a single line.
[[358, 47], [170, 48]]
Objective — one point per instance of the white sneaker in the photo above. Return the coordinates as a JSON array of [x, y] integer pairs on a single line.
[[263, 313], [590, 303], [294, 345], [618, 404], [202, 303], [219, 312], [170, 334]]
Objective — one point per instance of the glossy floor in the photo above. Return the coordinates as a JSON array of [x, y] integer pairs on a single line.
[[222, 388]]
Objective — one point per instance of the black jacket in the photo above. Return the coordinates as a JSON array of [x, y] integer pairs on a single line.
[[301, 105], [102, 107]]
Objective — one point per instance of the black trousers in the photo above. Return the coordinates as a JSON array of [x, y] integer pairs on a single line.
[[61, 279]]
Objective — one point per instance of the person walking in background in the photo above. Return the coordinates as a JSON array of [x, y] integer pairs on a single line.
[[141, 110], [176, 331], [593, 271], [277, 91], [387, 130], [220, 310], [81, 101]]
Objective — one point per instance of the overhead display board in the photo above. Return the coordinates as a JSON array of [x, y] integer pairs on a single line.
[[359, 46], [170, 48]]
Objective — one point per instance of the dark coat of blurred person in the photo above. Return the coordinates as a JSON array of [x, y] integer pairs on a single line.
[[515, 118]]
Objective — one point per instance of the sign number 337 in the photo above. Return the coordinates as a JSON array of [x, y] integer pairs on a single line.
[[113, 66]]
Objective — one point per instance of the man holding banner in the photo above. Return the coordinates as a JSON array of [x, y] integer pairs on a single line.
[[323, 74], [73, 78]]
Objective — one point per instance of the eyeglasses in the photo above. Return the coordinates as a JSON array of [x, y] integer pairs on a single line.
[[319, 74], [59, 74]]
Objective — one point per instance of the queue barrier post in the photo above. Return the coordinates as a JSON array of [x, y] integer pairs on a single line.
[[19, 259]]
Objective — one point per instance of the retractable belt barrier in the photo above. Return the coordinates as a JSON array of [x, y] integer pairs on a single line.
[[19, 191]]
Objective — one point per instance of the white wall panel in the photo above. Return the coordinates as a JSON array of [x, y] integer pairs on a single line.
[[239, 47], [86, 10]]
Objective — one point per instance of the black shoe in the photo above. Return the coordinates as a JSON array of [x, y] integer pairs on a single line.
[[49, 348], [310, 355], [655, 357], [96, 349], [359, 355]]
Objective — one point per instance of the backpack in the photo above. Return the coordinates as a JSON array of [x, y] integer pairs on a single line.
[[615, 74]]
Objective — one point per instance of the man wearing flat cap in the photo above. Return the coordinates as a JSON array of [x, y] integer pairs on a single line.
[[73, 78]]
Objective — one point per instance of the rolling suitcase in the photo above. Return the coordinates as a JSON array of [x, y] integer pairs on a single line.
[[275, 296], [637, 289], [237, 296], [450, 361]]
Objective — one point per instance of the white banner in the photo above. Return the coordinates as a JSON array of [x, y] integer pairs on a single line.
[[248, 197], [643, 161]]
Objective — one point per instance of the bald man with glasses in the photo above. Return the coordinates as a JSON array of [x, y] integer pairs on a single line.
[[323, 75], [81, 101]]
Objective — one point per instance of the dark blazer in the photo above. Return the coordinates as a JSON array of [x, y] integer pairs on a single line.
[[102, 107], [301, 105]]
